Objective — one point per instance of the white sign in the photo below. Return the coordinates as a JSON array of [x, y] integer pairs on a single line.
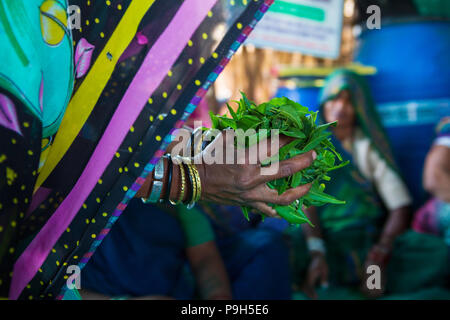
[[308, 26]]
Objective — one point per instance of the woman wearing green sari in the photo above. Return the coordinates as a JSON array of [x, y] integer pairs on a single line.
[[371, 229]]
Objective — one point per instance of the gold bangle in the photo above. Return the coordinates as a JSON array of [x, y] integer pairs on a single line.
[[183, 186], [194, 185], [198, 183]]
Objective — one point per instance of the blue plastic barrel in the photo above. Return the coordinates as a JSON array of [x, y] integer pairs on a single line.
[[411, 88], [306, 96]]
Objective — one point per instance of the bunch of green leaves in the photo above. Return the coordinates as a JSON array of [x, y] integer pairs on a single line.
[[298, 122]]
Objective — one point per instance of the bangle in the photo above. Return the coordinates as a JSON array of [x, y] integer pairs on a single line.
[[183, 186], [157, 184], [193, 185], [198, 182], [316, 244], [169, 183], [192, 153], [196, 185]]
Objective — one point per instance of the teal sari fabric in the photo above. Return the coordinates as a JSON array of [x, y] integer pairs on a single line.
[[41, 70]]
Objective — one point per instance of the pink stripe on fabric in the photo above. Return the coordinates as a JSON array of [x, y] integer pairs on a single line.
[[154, 69], [159, 153], [201, 93], [121, 206], [140, 180], [104, 231]]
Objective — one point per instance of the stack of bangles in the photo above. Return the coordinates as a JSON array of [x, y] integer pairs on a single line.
[[188, 175]]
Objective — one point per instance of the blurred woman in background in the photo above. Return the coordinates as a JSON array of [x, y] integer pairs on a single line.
[[348, 238], [434, 216]]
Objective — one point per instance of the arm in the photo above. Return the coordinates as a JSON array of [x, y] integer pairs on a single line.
[[315, 231], [397, 222], [436, 178], [318, 267], [209, 271], [241, 183], [395, 196]]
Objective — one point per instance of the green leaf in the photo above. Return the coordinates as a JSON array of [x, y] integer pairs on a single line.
[[343, 164], [316, 194], [233, 114], [296, 179], [227, 122], [316, 141], [290, 214], [294, 133], [292, 115], [247, 102], [245, 212]]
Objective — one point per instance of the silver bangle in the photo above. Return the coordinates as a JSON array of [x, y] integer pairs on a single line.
[[159, 170], [157, 185], [155, 194], [316, 244]]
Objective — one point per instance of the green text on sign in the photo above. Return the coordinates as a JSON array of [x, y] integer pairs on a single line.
[[298, 10]]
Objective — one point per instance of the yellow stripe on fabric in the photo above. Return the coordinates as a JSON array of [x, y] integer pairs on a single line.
[[87, 95]]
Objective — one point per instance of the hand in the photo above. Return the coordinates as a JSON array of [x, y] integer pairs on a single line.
[[379, 254], [244, 184], [318, 271]]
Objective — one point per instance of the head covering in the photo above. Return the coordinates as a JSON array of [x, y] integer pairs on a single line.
[[140, 69], [367, 117]]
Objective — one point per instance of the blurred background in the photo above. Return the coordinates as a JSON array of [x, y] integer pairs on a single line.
[[401, 46]]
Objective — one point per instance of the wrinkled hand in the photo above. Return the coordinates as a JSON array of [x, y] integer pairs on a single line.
[[317, 272], [244, 184]]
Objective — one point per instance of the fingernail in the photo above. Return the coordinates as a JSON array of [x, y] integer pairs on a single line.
[[314, 155]]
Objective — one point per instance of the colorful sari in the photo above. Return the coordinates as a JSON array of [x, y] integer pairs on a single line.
[[434, 216], [351, 230], [114, 92]]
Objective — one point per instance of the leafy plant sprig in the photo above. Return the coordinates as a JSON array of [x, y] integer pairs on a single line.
[[298, 122]]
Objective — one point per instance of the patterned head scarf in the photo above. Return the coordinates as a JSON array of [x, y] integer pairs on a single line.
[[364, 106]]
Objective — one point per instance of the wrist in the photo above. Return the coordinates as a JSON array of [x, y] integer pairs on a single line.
[[316, 246], [386, 242], [317, 254]]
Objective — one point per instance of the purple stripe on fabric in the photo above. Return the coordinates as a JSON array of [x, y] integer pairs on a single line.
[[218, 69], [101, 237], [153, 70], [196, 100], [241, 38], [40, 195], [135, 187], [264, 8]]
